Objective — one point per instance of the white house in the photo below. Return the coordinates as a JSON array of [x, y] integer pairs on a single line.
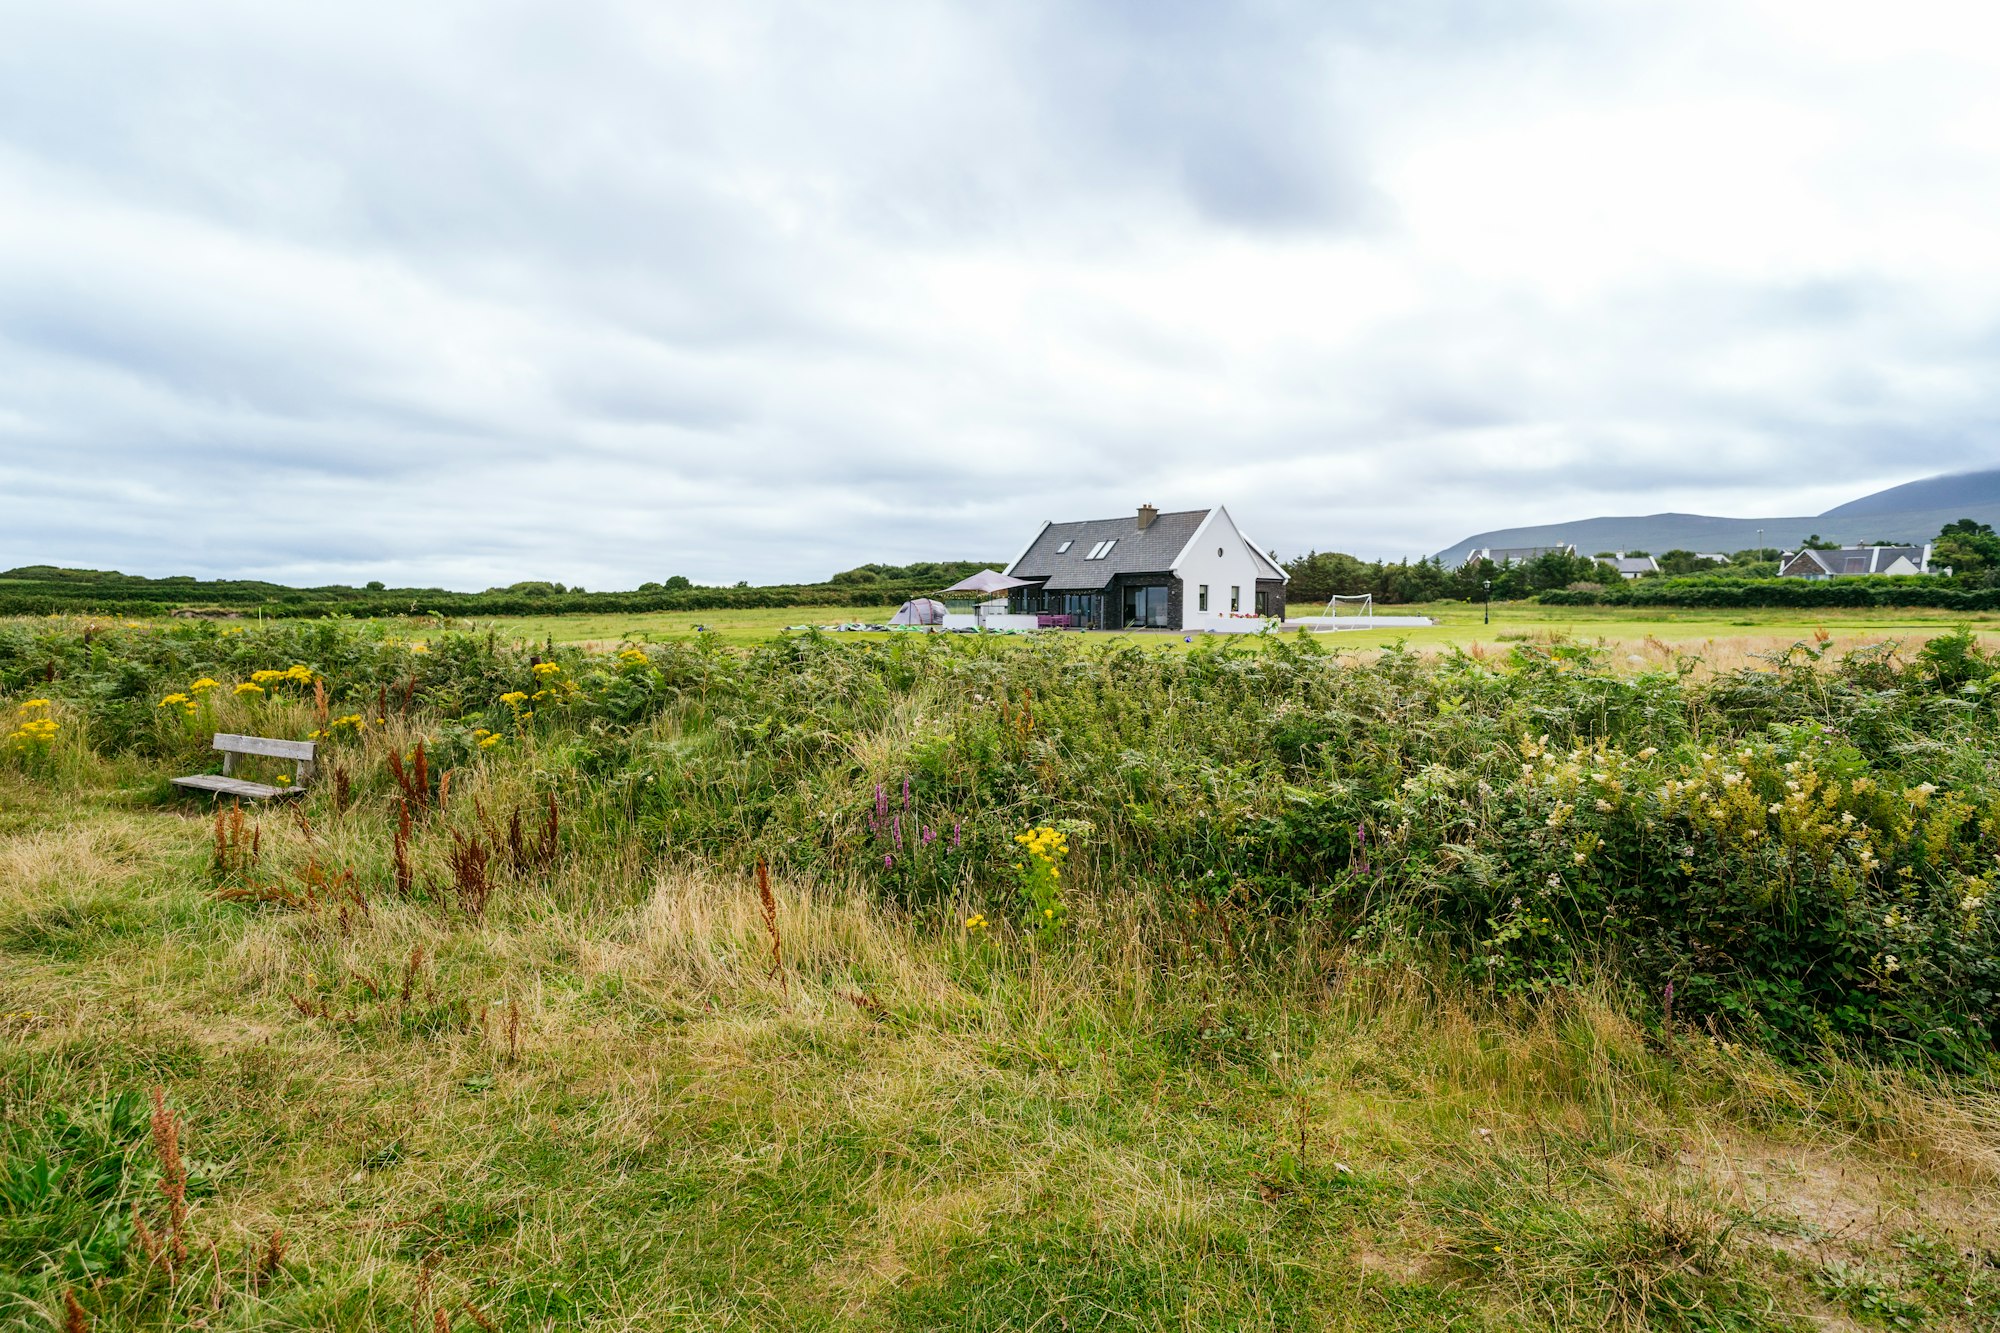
[[1633, 566], [1513, 555], [1190, 570], [1851, 560]]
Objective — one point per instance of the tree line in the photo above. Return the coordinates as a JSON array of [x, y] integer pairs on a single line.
[[48, 590]]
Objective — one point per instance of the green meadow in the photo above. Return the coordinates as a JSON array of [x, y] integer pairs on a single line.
[[1458, 624]]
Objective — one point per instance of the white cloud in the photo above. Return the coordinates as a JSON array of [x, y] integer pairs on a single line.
[[464, 294]]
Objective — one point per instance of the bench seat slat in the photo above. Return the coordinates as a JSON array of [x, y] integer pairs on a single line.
[[224, 786], [264, 745]]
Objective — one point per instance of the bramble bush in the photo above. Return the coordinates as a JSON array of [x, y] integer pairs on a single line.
[[1802, 851]]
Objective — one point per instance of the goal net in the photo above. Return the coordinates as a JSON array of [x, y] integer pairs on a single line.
[[1360, 604]]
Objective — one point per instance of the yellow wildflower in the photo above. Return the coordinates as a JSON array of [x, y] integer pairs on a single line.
[[513, 698], [173, 699], [35, 703], [204, 684], [248, 687]]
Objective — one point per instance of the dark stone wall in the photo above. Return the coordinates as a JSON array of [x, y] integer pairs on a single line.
[[1271, 593]]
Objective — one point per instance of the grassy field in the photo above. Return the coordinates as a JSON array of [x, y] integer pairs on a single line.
[[423, 1068], [1724, 635], [1458, 624]]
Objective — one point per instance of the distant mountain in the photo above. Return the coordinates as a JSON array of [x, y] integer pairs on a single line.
[[1912, 512]]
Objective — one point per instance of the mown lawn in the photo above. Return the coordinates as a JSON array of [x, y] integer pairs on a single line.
[[1726, 632], [1459, 624]]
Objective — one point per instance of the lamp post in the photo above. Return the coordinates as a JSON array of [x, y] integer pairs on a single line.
[[1488, 585]]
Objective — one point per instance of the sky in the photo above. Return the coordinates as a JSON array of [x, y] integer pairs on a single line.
[[458, 294]]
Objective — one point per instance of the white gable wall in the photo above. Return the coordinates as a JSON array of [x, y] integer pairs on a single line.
[[1236, 565]]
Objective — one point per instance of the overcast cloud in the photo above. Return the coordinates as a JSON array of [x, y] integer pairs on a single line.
[[468, 293]]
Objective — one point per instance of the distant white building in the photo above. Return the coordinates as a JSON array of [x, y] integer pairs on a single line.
[[1850, 561], [1633, 566], [1513, 555]]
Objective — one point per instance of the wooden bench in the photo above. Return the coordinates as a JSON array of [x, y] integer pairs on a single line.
[[226, 784]]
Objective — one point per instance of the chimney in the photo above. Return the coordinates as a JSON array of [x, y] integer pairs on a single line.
[[1146, 516]]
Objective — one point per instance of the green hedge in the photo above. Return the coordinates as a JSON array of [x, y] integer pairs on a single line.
[[1862, 591], [123, 597]]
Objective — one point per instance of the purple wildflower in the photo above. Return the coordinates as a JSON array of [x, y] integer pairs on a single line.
[[906, 793], [881, 801], [930, 836], [888, 861], [954, 834], [896, 829]]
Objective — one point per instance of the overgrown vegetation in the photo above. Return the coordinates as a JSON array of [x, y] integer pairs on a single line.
[[947, 983]]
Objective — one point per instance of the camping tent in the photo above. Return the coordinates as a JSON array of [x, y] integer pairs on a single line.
[[987, 581], [919, 611]]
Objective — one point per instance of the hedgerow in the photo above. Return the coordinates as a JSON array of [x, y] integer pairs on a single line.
[[39, 591], [1805, 594]]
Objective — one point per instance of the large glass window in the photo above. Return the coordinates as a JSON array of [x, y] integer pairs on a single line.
[[1235, 597], [1201, 600], [1146, 608]]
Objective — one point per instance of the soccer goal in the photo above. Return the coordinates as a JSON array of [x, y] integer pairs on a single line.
[[1363, 604]]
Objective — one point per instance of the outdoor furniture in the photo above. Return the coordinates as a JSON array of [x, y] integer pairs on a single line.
[[226, 784]]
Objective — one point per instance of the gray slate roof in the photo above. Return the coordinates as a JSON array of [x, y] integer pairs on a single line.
[[1634, 564], [1852, 560], [1515, 555], [1149, 552]]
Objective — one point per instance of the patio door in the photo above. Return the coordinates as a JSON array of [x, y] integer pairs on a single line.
[[1145, 608]]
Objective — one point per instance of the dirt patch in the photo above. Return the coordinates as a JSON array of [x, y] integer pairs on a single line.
[[1824, 1202], [1400, 1264]]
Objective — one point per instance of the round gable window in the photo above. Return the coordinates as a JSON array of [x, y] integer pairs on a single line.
[[1218, 553]]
